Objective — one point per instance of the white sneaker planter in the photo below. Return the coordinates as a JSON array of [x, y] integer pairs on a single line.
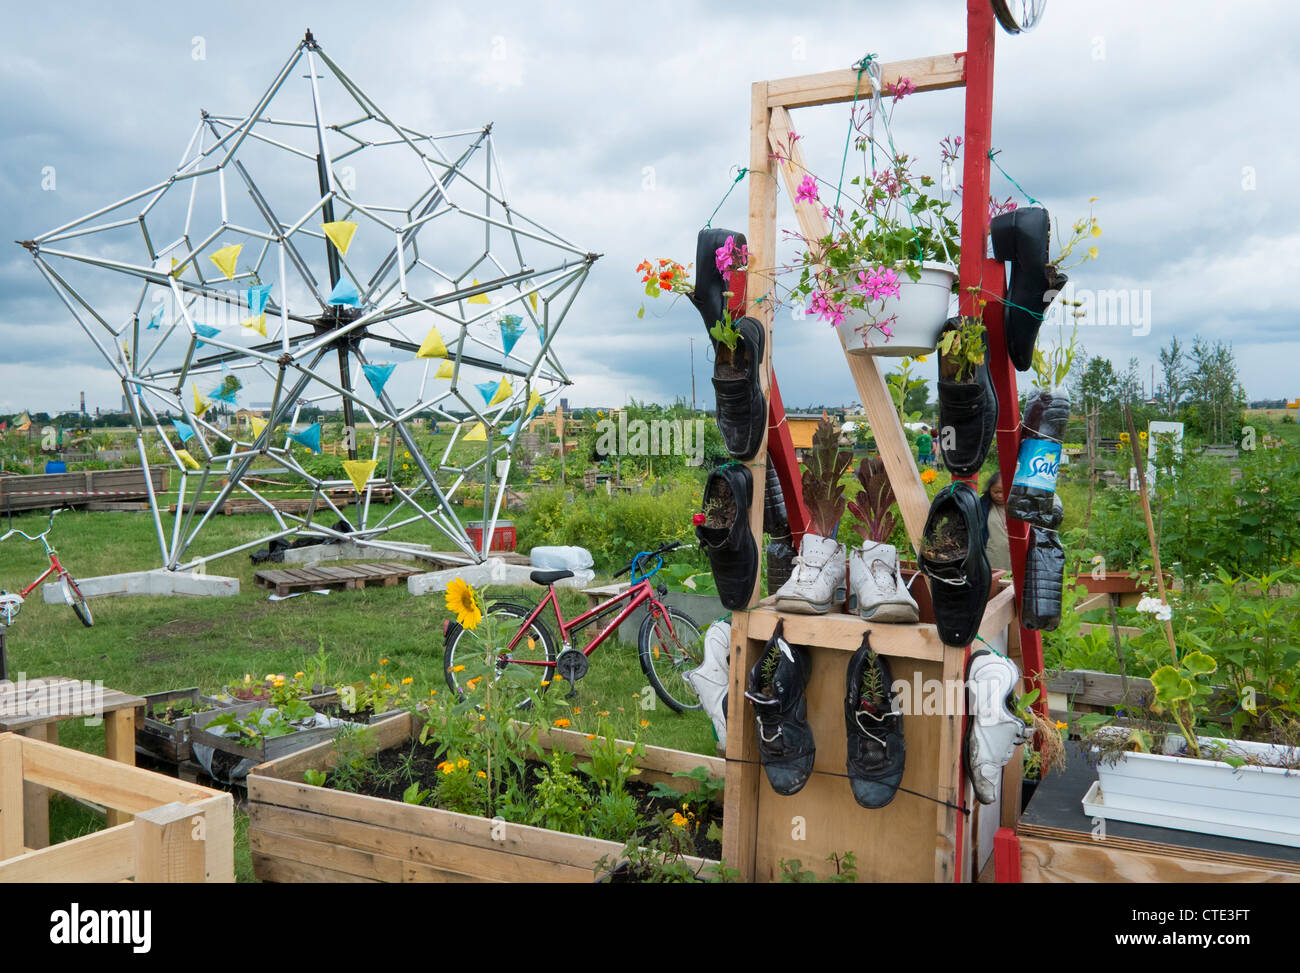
[[922, 308], [1255, 803]]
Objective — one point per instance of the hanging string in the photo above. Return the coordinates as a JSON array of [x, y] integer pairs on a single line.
[[744, 171], [831, 773], [862, 66], [993, 159]]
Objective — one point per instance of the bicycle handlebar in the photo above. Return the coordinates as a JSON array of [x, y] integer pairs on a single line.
[[646, 555]]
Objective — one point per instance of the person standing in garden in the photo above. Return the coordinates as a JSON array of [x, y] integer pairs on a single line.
[[996, 546], [925, 448]]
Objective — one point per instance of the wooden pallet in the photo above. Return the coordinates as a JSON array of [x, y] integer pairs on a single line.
[[286, 581]]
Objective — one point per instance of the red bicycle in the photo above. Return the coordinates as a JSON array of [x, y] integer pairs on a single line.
[[670, 642], [10, 603]]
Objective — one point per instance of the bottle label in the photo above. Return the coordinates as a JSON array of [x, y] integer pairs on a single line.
[[1038, 465]]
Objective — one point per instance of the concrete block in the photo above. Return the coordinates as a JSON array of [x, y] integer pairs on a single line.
[[159, 581], [493, 571], [352, 551]]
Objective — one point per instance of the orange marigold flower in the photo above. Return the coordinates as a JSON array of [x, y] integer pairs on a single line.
[[561, 722]]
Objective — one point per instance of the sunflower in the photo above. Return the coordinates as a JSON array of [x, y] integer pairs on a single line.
[[462, 601]]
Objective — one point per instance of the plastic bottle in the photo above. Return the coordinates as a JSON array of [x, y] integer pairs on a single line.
[[1040, 605], [1038, 463]]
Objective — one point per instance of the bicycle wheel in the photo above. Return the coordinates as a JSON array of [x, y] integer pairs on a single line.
[[471, 656], [73, 596], [670, 647]]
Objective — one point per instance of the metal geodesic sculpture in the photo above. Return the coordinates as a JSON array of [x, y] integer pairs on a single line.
[[317, 257]]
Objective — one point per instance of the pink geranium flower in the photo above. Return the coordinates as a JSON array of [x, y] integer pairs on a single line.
[[807, 192]]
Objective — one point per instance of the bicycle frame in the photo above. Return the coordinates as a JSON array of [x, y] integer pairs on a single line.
[[54, 568], [636, 596]]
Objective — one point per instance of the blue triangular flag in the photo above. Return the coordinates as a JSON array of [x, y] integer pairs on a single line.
[[155, 322], [184, 430], [207, 331], [226, 388], [345, 293], [510, 429], [377, 376], [512, 329], [487, 390], [309, 437], [257, 297]]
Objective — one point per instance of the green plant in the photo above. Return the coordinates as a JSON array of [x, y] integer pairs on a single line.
[[873, 506], [610, 764], [613, 816], [661, 858], [561, 798], [845, 864], [903, 388], [259, 725], [414, 794], [707, 790], [1053, 366], [316, 778], [961, 349], [823, 489]]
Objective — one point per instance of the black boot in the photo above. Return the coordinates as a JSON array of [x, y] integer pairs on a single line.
[[1021, 238], [968, 417], [708, 298], [742, 409], [952, 557], [725, 535], [776, 689], [876, 751]]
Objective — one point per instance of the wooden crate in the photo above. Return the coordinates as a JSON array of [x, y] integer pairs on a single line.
[[270, 749], [180, 832], [169, 742], [301, 833], [920, 836]]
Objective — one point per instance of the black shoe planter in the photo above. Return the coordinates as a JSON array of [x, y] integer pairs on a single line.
[[725, 535], [876, 751], [970, 410], [709, 284], [953, 558], [1021, 239], [776, 690], [742, 408]]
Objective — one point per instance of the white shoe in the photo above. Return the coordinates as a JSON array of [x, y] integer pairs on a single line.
[[876, 589], [711, 680], [995, 731], [818, 578]]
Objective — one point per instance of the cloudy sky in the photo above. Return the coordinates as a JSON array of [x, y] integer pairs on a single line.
[[620, 126]]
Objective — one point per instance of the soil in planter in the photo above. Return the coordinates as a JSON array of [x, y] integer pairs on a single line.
[[389, 782], [949, 540], [720, 511]]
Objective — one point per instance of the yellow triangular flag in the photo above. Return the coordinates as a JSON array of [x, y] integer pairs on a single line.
[[177, 268], [201, 402], [534, 400], [478, 298], [358, 471], [433, 346], [476, 435], [256, 323], [257, 425], [226, 258], [532, 299], [340, 234], [502, 393], [187, 459], [445, 370]]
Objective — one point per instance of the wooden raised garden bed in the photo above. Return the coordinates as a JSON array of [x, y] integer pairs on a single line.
[[180, 832], [301, 833], [169, 741]]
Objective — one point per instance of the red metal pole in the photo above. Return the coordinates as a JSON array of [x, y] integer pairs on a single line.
[[983, 286]]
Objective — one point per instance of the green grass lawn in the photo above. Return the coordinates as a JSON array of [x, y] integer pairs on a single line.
[[149, 644]]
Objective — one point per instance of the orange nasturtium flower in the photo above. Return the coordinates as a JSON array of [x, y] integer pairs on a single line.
[[561, 722]]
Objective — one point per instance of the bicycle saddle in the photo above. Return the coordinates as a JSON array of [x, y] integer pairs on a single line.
[[549, 577]]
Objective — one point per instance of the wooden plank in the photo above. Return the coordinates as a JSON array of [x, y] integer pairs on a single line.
[[105, 856], [108, 783], [833, 87], [740, 798], [336, 857], [844, 632], [868, 376], [219, 836], [269, 868], [36, 798], [951, 787], [119, 745], [1067, 861], [11, 797], [166, 849]]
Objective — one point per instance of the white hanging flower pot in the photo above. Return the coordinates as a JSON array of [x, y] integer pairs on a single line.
[[919, 311]]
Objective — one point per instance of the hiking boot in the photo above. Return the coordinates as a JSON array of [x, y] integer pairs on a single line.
[[742, 408], [711, 680], [876, 751], [968, 417], [1021, 238], [818, 579], [993, 730], [776, 686], [876, 589], [952, 557], [725, 535]]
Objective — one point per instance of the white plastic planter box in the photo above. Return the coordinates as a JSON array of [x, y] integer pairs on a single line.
[[1256, 803]]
